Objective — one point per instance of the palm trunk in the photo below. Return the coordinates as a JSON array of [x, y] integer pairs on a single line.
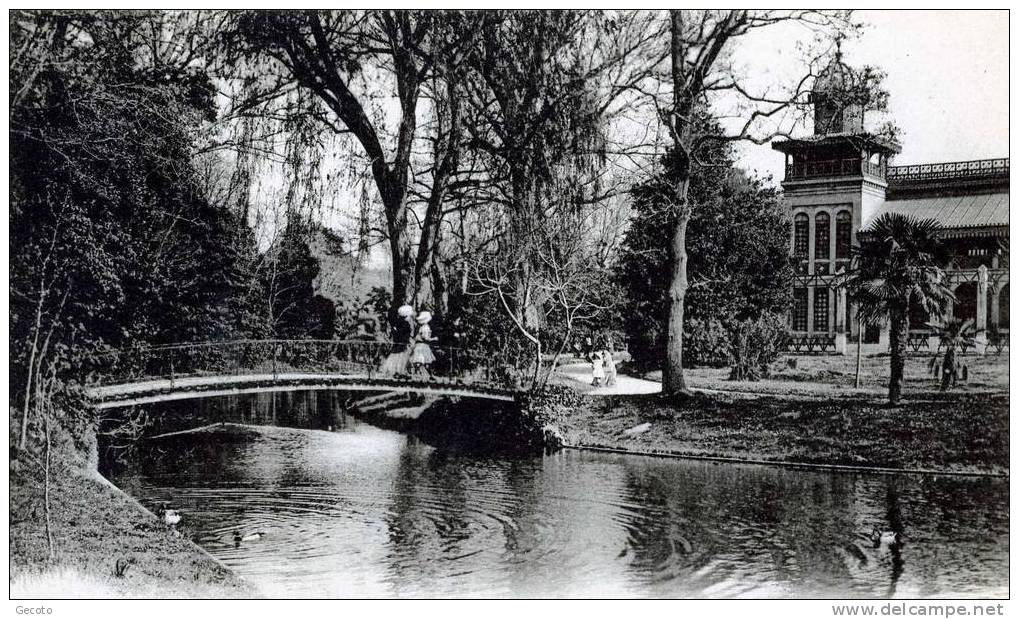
[[898, 335], [948, 370]]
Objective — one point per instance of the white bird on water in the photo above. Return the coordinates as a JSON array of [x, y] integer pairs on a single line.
[[170, 517]]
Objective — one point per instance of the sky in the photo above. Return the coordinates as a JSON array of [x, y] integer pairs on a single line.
[[947, 75]]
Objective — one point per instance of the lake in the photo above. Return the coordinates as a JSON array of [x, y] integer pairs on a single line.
[[357, 511]]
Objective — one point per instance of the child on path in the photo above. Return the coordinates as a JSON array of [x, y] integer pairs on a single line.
[[610, 368], [597, 369]]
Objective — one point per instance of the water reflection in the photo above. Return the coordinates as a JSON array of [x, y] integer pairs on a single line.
[[366, 512]]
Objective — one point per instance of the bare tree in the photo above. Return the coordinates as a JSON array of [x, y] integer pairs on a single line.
[[701, 73], [341, 58], [562, 269], [546, 89]]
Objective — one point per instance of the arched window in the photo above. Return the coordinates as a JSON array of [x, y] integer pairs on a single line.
[[822, 236], [801, 235], [843, 235]]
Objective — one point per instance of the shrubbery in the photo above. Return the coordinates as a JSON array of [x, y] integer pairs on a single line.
[[706, 344], [755, 344]]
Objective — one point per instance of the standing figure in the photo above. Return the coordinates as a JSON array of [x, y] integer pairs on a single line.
[[597, 369], [421, 357], [610, 368], [403, 331], [456, 364]]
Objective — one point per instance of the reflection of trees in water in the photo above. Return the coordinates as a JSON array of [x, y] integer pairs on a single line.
[[300, 409], [955, 535], [450, 512], [734, 528], [519, 518], [749, 526], [894, 516], [426, 521]]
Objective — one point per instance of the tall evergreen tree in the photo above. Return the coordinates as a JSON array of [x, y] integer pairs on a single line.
[[737, 247]]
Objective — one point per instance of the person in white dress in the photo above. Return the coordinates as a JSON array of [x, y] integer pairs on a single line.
[[610, 368], [597, 369], [422, 357]]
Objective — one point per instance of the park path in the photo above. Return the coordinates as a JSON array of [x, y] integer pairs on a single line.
[[625, 385], [630, 385]]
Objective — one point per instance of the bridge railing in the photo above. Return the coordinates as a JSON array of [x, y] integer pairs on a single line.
[[373, 359]]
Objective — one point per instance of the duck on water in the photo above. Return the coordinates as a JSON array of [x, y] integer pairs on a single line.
[[248, 537], [170, 517]]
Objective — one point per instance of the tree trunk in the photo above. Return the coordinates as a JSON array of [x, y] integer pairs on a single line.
[[446, 161], [948, 370], [399, 247], [527, 218], [859, 349], [898, 336], [673, 382]]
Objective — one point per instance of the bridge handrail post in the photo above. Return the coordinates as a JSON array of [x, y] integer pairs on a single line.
[[172, 377]]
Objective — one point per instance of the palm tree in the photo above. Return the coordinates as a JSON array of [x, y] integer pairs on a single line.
[[955, 334], [899, 262]]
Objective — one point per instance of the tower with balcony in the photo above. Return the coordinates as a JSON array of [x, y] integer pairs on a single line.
[[834, 181]]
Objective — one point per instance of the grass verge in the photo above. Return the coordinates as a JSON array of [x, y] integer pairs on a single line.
[[964, 433], [92, 526]]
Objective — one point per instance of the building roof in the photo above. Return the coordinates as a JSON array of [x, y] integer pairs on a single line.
[[964, 211], [812, 142]]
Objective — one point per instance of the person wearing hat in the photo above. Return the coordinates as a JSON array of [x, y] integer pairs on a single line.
[[403, 331], [421, 357]]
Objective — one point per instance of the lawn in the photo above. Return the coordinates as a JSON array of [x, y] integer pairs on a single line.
[[946, 432], [834, 375]]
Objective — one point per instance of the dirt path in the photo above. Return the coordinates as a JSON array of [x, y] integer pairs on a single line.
[[625, 385], [629, 385]]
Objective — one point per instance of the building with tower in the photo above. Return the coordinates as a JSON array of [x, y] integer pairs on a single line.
[[840, 179]]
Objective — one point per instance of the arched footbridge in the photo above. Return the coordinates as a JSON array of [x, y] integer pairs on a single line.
[[144, 375]]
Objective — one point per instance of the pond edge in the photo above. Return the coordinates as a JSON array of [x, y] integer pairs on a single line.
[[838, 468]]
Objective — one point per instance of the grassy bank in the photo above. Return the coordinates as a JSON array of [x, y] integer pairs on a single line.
[[950, 432], [92, 526], [834, 376]]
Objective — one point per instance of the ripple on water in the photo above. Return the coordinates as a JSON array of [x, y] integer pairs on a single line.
[[367, 512]]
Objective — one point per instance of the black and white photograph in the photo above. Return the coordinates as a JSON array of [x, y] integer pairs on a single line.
[[344, 304]]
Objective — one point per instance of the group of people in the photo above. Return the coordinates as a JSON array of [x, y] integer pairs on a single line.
[[603, 366], [411, 354]]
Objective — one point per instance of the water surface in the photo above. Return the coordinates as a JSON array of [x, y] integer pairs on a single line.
[[360, 511]]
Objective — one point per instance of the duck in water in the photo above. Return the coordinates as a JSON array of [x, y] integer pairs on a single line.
[[249, 537], [170, 517], [885, 538]]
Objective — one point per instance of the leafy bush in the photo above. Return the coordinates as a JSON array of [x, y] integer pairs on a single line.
[[706, 343], [755, 344]]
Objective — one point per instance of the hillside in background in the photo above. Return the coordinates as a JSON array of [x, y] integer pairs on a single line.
[[342, 278]]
